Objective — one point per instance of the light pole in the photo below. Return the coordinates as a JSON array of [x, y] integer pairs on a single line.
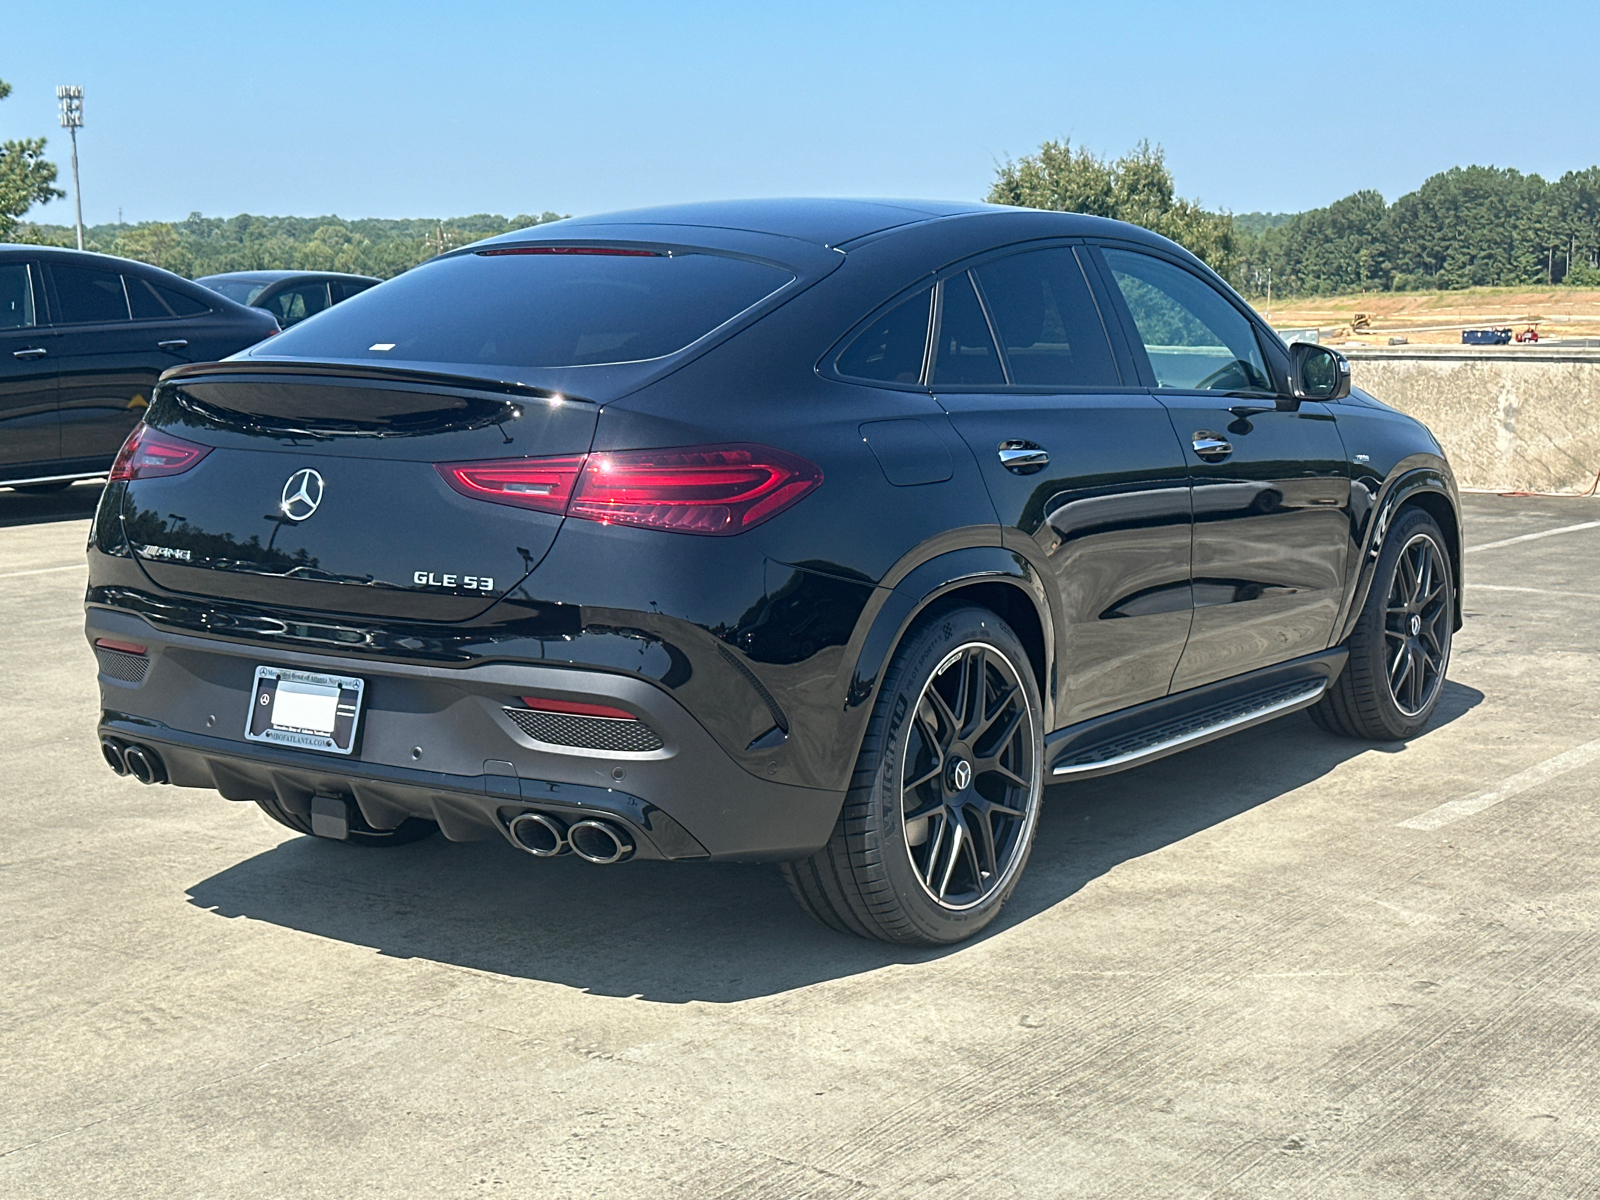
[[71, 98]]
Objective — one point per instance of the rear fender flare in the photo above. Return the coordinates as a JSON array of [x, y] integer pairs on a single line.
[[930, 581]]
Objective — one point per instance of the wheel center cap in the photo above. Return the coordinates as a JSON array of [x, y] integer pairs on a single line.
[[960, 775], [1416, 625]]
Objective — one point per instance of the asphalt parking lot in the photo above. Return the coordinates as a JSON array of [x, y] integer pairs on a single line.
[[1282, 964]]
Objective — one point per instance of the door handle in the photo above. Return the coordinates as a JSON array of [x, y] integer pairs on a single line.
[[31, 352], [1023, 458], [1212, 447], [174, 345]]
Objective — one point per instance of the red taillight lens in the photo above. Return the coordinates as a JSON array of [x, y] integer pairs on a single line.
[[694, 489], [716, 490], [544, 484], [577, 708], [611, 251], [149, 453]]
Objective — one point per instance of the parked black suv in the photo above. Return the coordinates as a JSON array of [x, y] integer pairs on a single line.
[[83, 339], [824, 532], [290, 296]]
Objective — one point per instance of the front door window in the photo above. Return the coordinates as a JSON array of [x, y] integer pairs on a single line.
[[1195, 339]]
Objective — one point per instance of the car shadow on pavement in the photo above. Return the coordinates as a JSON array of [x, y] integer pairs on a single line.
[[76, 503], [723, 932]]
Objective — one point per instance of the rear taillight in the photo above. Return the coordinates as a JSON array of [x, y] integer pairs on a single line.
[[543, 484], [716, 490], [149, 453]]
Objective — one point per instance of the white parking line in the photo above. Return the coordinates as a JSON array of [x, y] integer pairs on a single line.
[[45, 570], [1455, 810], [1503, 587], [1531, 537]]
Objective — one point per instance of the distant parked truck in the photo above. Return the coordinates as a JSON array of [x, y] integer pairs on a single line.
[[1486, 337]]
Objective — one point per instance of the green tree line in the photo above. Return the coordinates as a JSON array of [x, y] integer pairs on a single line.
[[1465, 227], [210, 245]]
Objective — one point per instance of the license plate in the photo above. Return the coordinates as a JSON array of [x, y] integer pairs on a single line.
[[305, 709]]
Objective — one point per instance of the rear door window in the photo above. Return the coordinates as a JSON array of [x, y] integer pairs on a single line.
[[965, 355], [1047, 321], [539, 307], [293, 305], [1195, 339], [16, 297], [89, 294], [346, 288], [891, 348], [152, 302]]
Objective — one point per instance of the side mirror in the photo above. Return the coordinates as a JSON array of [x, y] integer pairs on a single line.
[[1318, 373]]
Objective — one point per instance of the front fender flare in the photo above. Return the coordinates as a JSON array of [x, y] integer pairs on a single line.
[[1404, 486]]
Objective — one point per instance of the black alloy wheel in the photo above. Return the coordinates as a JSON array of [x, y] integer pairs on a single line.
[[966, 776], [1417, 623], [945, 799], [1400, 647]]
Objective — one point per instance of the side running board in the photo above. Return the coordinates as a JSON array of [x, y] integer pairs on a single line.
[[1191, 729]]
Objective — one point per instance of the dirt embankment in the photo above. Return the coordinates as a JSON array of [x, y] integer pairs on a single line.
[[1438, 317]]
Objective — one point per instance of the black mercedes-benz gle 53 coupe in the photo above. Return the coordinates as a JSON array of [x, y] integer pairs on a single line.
[[818, 532]]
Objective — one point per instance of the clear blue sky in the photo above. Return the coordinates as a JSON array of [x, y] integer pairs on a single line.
[[407, 109]]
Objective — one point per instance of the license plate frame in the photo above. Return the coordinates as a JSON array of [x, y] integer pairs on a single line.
[[320, 712]]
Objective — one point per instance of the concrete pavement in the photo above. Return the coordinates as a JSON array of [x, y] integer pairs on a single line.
[[1229, 974]]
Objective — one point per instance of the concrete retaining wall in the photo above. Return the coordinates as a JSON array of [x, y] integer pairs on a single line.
[[1509, 418]]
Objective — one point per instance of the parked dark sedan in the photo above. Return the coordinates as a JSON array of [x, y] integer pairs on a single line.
[[83, 339], [290, 296], [823, 532]]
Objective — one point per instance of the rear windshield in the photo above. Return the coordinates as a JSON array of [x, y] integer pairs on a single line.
[[552, 307], [240, 291]]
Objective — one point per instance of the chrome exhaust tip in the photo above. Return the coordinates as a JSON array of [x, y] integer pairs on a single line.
[[111, 751], [599, 842], [144, 764], [539, 834]]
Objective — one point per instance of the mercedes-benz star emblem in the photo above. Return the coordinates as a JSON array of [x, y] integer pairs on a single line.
[[1416, 625], [302, 494], [962, 775]]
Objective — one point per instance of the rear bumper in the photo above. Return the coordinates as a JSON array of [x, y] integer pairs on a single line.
[[437, 743]]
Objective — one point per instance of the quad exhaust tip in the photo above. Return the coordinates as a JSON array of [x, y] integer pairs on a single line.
[[112, 751], [599, 842], [143, 763], [545, 836], [539, 834]]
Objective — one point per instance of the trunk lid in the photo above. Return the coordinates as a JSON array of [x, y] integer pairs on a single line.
[[319, 491]]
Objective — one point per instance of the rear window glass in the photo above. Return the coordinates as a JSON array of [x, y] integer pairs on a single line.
[[16, 296], [1047, 320], [560, 309], [89, 294], [240, 291], [890, 349], [965, 356], [152, 302]]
